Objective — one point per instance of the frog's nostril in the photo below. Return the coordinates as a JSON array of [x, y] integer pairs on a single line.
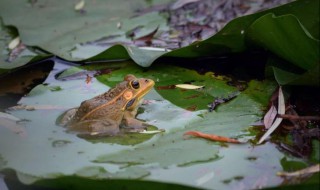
[[146, 81]]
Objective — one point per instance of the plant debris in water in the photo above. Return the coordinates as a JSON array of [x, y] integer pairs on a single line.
[[296, 132], [218, 101], [212, 137], [192, 21]]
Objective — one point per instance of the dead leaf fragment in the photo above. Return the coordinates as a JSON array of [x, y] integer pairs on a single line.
[[211, 137], [148, 37], [14, 43], [270, 116], [276, 123], [88, 79], [180, 3], [119, 25], [188, 86], [152, 132], [155, 49], [79, 6], [308, 170]]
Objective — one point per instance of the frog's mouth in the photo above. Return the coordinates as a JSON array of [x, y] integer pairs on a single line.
[[140, 95]]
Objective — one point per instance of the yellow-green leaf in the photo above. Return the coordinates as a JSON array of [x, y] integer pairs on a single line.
[[188, 86], [14, 43], [79, 6]]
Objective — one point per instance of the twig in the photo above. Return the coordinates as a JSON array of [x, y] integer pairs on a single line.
[[212, 137], [308, 170], [296, 117]]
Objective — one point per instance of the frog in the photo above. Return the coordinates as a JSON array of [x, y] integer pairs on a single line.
[[108, 113]]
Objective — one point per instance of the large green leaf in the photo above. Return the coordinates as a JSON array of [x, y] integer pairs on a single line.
[[61, 36], [288, 39], [57, 28], [7, 61]]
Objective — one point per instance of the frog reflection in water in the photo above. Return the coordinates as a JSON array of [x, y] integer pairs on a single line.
[[103, 114]]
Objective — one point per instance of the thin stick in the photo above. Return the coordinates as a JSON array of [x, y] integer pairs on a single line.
[[296, 117]]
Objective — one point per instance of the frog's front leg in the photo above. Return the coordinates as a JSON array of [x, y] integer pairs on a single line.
[[131, 122]]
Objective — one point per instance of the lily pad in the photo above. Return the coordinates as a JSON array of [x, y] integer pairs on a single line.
[[40, 89], [230, 120], [167, 77], [81, 183], [97, 172], [123, 139], [167, 157], [60, 28]]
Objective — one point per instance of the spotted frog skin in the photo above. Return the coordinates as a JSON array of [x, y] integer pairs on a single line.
[[103, 114]]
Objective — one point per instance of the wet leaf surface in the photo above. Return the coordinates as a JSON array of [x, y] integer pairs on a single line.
[[123, 139], [182, 157], [165, 156], [12, 123]]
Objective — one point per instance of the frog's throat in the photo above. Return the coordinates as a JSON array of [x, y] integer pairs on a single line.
[[143, 93], [139, 95]]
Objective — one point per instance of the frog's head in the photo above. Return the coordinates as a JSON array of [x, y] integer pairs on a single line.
[[136, 89]]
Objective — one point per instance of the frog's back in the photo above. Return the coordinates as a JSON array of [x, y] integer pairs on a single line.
[[95, 108]]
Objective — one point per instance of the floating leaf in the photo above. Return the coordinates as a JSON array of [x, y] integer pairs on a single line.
[[14, 43], [151, 132], [270, 116], [188, 86], [79, 6], [127, 138], [162, 153]]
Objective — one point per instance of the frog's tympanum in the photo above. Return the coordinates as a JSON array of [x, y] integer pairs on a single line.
[[105, 113]]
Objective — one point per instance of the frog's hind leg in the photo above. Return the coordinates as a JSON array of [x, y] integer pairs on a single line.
[[65, 118], [105, 128], [97, 127]]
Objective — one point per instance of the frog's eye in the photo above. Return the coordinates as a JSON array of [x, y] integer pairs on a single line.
[[135, 84]]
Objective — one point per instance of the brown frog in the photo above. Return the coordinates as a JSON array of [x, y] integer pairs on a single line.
[[103, 114]]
